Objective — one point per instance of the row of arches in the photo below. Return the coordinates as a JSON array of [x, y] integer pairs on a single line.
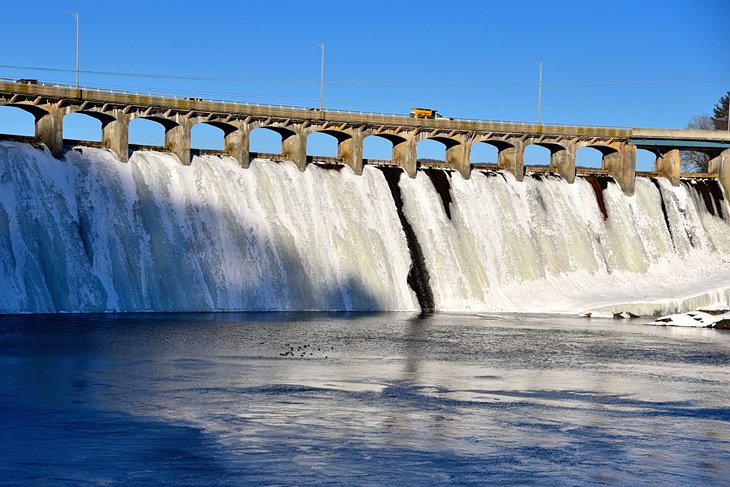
[[80, 126]]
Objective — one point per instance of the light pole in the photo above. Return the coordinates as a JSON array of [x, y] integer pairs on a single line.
[[76, 16], [539, 91], [321, 79]]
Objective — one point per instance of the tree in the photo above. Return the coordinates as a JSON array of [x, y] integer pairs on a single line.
[[719, 115], [693, 161]]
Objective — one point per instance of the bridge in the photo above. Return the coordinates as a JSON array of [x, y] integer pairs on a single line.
[[114, 109]]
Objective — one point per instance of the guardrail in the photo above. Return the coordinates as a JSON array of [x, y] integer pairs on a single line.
[[297, 107]]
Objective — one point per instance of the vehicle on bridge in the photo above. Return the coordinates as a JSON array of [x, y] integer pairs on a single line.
[[424, 113], [28, 81]]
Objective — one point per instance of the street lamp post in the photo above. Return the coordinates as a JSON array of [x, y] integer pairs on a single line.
[[539, 93], [321, 80], [76, 16]]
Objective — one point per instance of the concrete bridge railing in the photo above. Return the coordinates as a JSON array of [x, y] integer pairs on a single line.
[[50, 104]]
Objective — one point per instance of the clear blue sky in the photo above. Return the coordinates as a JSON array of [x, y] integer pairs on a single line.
[[624, 63]]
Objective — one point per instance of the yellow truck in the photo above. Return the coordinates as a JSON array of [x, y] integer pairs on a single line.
[[424, 113]]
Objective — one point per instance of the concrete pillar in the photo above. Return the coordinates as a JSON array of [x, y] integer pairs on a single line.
[[459, 157], [622, 166], [177, 139], [669, 166], [512, 158], [405, 154], [236, 144], [349, 150], [723, 171], [49, 129], [115, 136], [294, 148], [563, 160], [713, 166]]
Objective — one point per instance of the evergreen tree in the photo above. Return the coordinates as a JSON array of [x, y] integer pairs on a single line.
[[719, 115]]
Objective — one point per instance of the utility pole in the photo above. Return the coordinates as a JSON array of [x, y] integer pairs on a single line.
[[76, 16], [539, 92], [321, 80]]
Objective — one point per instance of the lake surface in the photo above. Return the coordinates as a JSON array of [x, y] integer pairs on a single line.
[[378, 399]]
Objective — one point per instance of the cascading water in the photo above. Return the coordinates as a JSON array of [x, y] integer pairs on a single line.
[[545, 245], [93, 234], [90, 233]]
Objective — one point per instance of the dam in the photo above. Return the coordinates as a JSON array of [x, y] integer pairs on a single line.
[[103, 229]]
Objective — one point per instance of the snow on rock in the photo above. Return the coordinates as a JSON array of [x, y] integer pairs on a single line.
[[698, 319]]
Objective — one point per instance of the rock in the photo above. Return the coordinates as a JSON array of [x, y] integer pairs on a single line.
[[723, 324]]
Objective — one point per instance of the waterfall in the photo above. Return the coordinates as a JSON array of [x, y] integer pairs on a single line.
[[546, 245], [92, 234], [89, 233]]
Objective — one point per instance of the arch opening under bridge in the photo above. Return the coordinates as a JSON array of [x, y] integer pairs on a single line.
[[378, 148], [207, 136], [431, 151], [483, 152], [146, 132], [16, 120], [323, 144], [537, 155], [83, 126], [591, 157]]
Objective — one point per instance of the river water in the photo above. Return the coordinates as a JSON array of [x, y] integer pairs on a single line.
[[361, 399]]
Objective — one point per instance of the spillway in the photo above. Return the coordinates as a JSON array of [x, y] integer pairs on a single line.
[[89, 233]]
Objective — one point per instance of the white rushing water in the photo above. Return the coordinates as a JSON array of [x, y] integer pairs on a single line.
[[92, 234], [543, 245]]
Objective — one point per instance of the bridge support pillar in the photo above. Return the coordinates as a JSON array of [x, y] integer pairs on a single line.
[[668, 166], [622, 166], [236, 144], [405, 155], [720, 166], [49, 129], [294, 148], [349, 150], [177, 139], [115, 136], [459, 157], [511, 158], [714, 164], [563, 160]]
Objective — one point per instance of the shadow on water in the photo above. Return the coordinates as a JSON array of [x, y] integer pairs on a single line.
[[79, 445], [206, 399]]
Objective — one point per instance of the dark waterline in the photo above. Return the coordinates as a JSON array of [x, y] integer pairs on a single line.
[[376, 399]]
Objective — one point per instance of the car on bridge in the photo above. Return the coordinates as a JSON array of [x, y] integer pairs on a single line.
[[27, 81]]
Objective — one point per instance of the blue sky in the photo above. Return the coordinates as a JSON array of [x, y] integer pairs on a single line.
[[619, 63]]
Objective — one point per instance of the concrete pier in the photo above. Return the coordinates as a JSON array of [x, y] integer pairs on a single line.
[[668, 165], [49, 104], [563, 160], [511, 157], [720, 168]]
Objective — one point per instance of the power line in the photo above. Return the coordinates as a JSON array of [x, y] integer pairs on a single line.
[[373, 84]]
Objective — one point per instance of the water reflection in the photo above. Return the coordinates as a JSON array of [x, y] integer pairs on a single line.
[[378, 398]]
